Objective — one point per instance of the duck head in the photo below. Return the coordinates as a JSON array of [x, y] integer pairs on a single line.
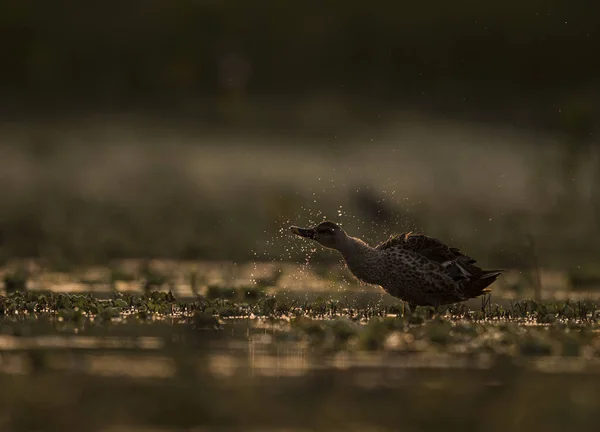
[[327, 234]]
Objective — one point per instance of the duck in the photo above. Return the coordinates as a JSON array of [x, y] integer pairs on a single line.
[[418, 269]]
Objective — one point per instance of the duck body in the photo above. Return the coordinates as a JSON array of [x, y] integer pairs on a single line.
[[416, 268]]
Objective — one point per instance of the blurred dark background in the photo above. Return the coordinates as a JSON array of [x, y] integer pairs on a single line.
[[197, 129], [524, 62]]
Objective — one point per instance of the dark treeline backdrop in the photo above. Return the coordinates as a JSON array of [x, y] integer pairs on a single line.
[[531, 61]]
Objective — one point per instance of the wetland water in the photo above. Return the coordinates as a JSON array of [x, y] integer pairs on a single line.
[[261, 358]]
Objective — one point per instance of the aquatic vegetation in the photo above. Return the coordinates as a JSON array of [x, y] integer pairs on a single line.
[[523, 329]]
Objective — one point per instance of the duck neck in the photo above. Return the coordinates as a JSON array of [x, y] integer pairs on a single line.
[[359, 257], [353, 246]]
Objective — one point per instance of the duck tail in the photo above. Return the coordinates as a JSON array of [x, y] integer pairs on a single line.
[[480, 284]]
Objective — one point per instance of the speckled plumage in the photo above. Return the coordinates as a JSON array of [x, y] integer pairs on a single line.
[[413, 267]]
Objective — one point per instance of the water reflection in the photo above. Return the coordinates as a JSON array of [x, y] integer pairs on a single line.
[[120, 376]]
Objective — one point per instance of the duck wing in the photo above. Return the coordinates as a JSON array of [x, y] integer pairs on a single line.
[[429, 247], [461, 268]]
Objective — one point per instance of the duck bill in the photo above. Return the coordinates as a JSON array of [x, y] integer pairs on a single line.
[[303, 232]]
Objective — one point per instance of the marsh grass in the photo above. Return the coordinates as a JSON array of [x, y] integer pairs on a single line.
[[525, 328], [260, 304]]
